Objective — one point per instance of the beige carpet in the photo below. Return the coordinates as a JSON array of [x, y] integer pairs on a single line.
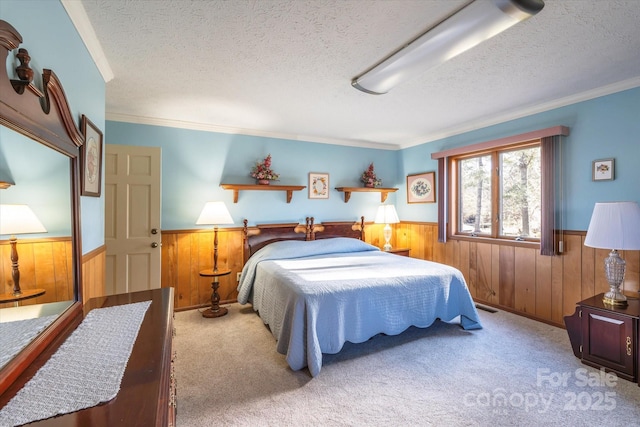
[[514, 372]]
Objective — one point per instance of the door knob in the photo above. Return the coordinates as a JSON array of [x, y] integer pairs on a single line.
[[154, 231], [154, 245]]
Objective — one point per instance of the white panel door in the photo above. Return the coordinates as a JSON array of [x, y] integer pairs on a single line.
[[132, 218]]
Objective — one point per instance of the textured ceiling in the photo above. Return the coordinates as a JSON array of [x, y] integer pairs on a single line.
[[283, 68]]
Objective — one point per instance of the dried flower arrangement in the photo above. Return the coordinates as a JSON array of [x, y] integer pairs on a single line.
[[263, 172], [369, 177]]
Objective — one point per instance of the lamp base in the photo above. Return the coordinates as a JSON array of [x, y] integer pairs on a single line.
[[210, 313], [614, 269], [386, 232], [615, 297]]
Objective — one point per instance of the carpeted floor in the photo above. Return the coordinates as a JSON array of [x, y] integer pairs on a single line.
[[513, 372]]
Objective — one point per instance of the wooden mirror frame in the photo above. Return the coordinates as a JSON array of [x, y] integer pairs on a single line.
[[45, 117]]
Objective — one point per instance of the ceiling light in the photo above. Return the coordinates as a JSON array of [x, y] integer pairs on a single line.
[[471, 25]]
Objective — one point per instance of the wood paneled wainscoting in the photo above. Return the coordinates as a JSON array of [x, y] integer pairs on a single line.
[[506, 276], [187, 252], [517, 278], [47, 264], [94, 273], [44, 264]]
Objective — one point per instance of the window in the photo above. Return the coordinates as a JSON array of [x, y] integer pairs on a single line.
[[508, 188], [499, 193]]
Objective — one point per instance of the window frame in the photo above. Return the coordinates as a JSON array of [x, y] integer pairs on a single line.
[[496, 193], [552, 203]]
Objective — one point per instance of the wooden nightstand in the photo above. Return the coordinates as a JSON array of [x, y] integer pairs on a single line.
[[400, 251], [605, 336]]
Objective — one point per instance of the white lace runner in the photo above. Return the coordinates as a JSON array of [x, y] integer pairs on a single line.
[[14, 336], [85, 371]]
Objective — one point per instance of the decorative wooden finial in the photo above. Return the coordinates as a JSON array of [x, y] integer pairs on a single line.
[[25, 73]]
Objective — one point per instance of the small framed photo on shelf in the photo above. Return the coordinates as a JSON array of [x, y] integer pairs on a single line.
[[318, 185], [90, 159], [421, 188], [603, 170]]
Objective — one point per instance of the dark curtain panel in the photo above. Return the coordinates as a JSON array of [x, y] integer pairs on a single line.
[[551, 186], [442, 199]]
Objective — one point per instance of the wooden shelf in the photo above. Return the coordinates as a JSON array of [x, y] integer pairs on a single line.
[[237, 187], [384, 192]]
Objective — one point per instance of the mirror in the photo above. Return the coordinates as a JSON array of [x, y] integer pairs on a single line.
[[40, 179], [39, 151]]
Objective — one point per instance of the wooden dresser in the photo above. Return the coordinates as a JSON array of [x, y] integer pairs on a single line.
[[147, 393]]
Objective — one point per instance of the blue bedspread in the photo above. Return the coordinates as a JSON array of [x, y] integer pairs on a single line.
[[317, 295]]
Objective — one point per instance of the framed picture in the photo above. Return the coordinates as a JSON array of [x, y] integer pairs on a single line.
[[90, 159], [318, 185], [421, 188], [603, 170]]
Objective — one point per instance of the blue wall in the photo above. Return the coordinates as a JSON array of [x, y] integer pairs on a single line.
[[53, 43], [195, 163], [605, 127], [45, 188]]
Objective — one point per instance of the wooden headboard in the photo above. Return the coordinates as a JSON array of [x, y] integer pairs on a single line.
[[256, 238]]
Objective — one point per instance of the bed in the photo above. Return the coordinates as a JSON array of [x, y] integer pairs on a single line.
[[318, 286]]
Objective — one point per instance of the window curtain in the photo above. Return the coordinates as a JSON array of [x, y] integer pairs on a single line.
[[552, 185], [551, 156], [442, 199]]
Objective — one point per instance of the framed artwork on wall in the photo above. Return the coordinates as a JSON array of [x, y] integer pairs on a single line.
[[603, 170], [90, 159], [421, 188], [318, 185]]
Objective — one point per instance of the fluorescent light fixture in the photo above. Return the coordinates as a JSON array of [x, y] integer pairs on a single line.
[[614, 226], [471, 25]]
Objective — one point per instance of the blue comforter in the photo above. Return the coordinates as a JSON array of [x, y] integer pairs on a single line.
[[317, 295]]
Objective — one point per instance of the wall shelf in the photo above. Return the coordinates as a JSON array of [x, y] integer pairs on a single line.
[[384, 192], [258, 187]]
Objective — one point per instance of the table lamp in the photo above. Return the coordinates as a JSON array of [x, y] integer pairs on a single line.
[[215, 213], [614, 226], [387, 215], [18, 219]]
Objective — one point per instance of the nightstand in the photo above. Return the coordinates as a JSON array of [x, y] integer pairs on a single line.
[[215, 310], [400, 251], [605, 336]]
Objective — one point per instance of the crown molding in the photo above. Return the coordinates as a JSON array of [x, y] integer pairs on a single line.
[[116, 117], [528, 111], [80, 20]]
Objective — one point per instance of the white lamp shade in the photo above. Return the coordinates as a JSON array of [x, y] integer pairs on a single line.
[[19, 219], [214, 213], [387, 215], [614, 225]]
